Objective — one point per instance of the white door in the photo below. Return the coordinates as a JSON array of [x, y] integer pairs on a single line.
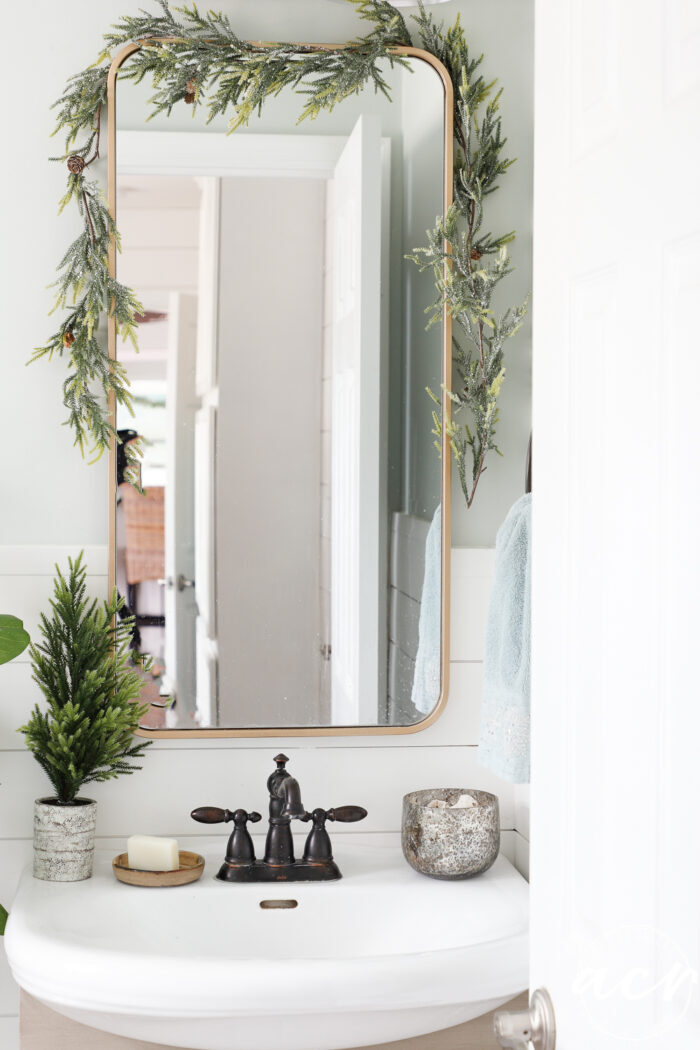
[[179, 679], [204, 454], [616, 570], [207, 654], [356, 416]]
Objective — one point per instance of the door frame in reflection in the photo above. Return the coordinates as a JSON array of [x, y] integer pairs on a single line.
[[358, 636], [260, 162]]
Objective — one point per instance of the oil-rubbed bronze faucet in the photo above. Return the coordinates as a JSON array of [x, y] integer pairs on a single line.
[[285, 805], [279, 865]]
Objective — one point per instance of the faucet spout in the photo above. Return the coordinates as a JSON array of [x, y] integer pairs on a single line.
[[293, 806], [285, 804]]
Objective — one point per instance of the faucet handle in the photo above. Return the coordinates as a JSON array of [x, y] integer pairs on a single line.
[[344, 814], [318, 844], [212, 815], [347, 814], [240, 851]]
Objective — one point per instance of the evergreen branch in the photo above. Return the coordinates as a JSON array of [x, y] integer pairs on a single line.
[[467, 263], [82, 664], [197, 58], [187, 54]]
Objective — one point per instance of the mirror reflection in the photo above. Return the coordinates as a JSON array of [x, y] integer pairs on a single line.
[[283, 560]]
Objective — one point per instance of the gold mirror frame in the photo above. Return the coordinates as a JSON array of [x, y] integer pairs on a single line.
[[446, 457]]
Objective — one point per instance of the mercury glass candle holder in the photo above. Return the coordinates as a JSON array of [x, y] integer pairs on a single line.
[[445, 836]]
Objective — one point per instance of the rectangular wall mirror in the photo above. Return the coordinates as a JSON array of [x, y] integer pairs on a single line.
[[287, 558]]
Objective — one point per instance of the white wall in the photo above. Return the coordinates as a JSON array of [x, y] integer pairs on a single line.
[[53, 504]]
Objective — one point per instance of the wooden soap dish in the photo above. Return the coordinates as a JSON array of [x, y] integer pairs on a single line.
[[191, 868]]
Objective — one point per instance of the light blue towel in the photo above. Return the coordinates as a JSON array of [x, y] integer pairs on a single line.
[[426, 677], [504, 740]]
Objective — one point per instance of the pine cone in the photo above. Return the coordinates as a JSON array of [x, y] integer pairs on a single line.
[[75, 164], [475, 255], [190, 89], [68, 337]]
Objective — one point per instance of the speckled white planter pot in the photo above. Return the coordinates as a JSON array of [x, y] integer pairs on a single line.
[[64, 840]]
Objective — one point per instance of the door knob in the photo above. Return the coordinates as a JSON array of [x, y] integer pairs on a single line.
[[520, 1029], [182, 582]]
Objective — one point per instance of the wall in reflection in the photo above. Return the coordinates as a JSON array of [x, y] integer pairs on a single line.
[[274, 380]]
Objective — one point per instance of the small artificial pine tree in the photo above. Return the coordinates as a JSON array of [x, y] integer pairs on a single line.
[[84, 668]]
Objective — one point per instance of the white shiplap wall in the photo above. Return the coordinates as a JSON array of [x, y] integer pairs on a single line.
[[177, 775]]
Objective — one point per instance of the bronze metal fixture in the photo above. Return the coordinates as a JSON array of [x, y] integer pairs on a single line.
[[279, 865]]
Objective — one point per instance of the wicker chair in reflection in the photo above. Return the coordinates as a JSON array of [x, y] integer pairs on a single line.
[[144, 520]]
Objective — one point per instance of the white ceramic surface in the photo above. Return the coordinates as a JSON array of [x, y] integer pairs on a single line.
[[383, 954]]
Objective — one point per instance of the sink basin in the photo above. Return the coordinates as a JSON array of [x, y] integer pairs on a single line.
[[383, 954]]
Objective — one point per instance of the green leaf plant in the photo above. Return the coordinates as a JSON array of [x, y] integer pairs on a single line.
[[13, 641], [84, 668], [13, 638]]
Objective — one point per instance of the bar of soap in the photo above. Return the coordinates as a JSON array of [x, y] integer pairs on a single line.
[[153, 853]]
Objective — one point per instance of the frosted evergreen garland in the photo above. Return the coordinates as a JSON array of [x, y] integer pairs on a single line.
[[84, 667], [197, 59], [476, 261]]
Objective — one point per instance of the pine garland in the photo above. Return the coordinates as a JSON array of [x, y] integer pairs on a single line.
[[198, 59], [83, 666], [467, 263]]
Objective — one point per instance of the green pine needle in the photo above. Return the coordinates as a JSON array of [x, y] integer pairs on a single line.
[[83, 666], [205, 62], [468, 263], [203, 56]]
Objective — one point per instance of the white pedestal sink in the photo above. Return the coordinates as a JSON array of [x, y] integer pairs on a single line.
[[383, 954]]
